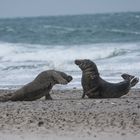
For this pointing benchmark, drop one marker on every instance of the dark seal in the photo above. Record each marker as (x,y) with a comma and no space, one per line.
(39,87)
(96,87)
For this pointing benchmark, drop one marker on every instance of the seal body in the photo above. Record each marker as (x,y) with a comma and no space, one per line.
(39,87)
(96,87)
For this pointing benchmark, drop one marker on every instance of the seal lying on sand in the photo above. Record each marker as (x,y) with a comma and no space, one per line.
(95,87)
(39,87)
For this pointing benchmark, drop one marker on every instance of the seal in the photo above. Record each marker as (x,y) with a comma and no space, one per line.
(39,87)
(96,87)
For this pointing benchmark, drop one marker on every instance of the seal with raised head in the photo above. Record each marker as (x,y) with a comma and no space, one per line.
(39,87)
(96,87)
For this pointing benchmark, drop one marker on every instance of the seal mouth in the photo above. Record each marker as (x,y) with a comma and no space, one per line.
(77,62)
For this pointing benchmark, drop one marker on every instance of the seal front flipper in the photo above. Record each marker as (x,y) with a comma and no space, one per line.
(83,95)
(48,97)
(47,93)
(93,93)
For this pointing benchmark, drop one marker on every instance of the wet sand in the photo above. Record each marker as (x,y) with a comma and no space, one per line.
(69,117)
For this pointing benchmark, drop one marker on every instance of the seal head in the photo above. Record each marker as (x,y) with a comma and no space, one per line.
(86,65)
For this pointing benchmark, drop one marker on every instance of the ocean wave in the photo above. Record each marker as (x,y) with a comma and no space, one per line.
(137,16)
(7,29)
(122,31)
(58,27)
(34,53)
(66,30)
(117,52)
(24,66)
(59,56)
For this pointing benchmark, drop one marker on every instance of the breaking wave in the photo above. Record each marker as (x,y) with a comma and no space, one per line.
(20,63)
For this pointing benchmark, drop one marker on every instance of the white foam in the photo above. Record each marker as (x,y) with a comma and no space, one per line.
(25,52)
(20,63)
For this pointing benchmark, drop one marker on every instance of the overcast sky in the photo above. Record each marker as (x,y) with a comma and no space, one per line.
(20,8)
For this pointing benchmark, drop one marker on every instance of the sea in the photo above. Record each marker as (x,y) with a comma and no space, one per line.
(30,45)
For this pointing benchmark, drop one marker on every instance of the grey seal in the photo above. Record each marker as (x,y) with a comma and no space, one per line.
(96,87)
(39,87)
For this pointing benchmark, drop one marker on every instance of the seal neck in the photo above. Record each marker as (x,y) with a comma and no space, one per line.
(89,72)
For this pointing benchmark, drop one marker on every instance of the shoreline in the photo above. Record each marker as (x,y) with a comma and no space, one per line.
(68,116)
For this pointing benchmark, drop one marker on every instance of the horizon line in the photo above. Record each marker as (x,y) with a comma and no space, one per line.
(62,15)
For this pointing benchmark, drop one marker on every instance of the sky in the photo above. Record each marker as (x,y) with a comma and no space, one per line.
(27,8)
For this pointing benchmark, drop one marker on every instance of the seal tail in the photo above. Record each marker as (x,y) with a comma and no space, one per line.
(126,76)
(132,79)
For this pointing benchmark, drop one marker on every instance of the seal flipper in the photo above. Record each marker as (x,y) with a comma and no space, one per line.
(48,97)
(134,81)
(126,76)
(47,93)
(83,95)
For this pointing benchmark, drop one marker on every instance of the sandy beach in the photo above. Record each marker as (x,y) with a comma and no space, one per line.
(69,117)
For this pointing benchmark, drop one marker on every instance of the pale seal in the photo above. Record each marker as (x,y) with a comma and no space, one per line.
(96,87)
(39,87)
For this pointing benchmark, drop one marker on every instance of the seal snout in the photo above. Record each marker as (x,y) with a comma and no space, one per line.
(77,62)
(69,78)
